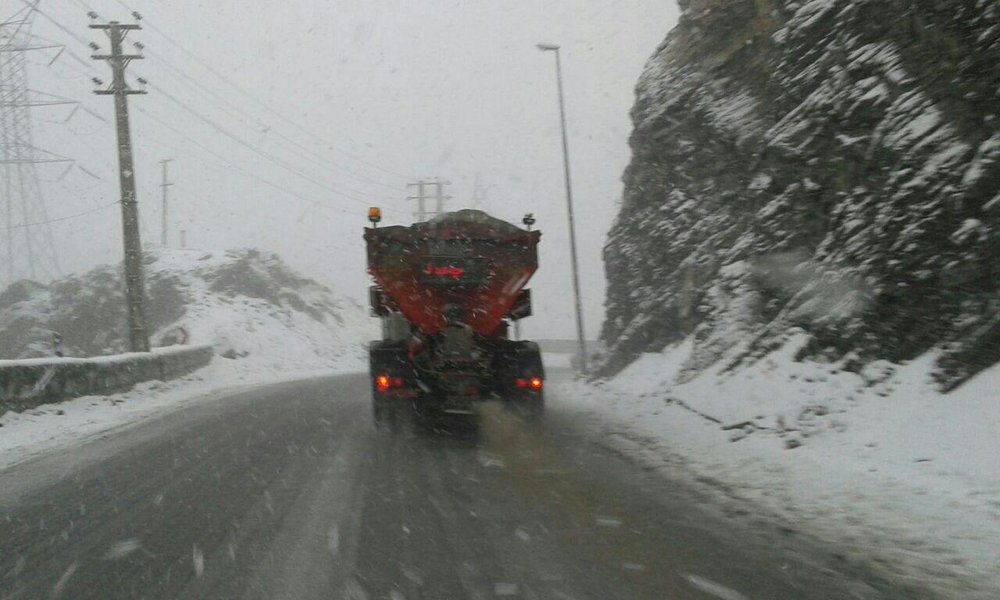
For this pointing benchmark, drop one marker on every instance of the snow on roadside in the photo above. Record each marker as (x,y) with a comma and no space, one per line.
(879,462)
(265,334)
(260,335)
(55,426)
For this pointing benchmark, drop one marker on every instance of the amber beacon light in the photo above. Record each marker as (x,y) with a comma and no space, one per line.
(374,215)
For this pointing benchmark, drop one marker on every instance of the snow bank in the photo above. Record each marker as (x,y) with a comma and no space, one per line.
(879,461)
(51,427)
(265,322)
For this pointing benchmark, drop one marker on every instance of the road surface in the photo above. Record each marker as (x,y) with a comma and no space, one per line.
(289,491)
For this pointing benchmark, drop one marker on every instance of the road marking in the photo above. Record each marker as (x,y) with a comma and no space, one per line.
(608,522)
(57,589)
(333,540)
(198,558)
(715,589)
(505,589)
(122,549)
(490,460)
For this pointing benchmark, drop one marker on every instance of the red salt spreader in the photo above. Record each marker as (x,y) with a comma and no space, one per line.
(447,291)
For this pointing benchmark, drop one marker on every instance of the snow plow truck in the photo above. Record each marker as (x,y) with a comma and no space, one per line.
(447,291)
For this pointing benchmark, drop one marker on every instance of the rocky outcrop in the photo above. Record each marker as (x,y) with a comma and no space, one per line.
(826,165)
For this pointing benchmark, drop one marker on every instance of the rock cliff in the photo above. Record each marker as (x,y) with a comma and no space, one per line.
(830,166)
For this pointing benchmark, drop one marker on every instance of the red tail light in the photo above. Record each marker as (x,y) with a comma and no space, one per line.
(522,383)
(382,382)
(536,383)
(398,382)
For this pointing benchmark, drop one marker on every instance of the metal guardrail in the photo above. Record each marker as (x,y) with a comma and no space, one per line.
(29,383)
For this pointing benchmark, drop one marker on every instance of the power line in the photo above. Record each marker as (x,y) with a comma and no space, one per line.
(222,161)
(16,17)
(323,161)
(236,167)
(60,219)
(62,27)
(311,203)
(257,150)
(349,193)
(259,102)
(214,154)
(219,157)
(307,153)
(85,6)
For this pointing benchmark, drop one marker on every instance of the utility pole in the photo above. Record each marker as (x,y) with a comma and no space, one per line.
(163,216)
(134,284)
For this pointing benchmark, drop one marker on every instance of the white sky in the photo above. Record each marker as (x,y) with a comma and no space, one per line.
(380,92)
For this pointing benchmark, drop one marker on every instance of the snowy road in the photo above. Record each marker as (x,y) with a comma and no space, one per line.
(287,491)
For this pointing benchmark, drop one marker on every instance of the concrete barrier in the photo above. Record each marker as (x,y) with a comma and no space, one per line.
(29,383)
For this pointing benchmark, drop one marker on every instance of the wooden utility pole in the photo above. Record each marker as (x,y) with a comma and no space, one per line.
(134,284)
(163,213)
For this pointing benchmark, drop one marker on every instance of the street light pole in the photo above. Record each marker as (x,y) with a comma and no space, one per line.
(569,207)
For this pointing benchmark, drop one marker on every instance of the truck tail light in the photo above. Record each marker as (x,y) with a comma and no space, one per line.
(382,382)
(534,383)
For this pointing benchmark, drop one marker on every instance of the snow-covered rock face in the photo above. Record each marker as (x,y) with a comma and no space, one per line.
(246,303)
(827,164)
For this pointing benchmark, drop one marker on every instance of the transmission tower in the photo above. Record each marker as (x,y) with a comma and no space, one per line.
(26,242)
(424,194)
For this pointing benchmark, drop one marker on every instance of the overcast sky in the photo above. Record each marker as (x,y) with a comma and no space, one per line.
(285,119)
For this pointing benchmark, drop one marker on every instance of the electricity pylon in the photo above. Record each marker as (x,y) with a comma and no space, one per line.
(27,246)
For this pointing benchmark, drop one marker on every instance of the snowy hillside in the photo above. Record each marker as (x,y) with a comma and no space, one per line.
(254,309)
(828,165)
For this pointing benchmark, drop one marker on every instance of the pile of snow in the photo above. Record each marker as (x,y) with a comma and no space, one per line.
(878,461)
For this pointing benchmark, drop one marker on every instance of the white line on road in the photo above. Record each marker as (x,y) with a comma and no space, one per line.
(715,589)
